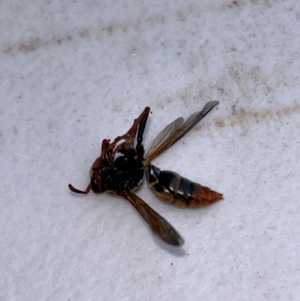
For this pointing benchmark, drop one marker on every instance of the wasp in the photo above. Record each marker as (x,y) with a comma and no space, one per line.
(121,168)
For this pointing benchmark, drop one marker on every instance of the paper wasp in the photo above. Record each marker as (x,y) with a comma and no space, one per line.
(123,163)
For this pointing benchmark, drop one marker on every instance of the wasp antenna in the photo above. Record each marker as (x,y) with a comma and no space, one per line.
(80,191)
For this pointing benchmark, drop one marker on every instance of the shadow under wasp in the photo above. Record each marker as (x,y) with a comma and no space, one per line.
(121,167)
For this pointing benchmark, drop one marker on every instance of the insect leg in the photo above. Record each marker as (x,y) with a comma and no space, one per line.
(132,131)
(139,147)
(141,129)
(129,137)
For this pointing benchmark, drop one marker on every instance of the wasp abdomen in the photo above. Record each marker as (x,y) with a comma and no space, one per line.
(180,191)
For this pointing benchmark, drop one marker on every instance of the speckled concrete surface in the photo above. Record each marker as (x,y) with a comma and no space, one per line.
(73,74)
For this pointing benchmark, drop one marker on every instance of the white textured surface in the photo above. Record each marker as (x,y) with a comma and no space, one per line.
(72,74)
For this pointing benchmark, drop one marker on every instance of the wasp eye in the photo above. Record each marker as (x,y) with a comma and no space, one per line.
(94,185)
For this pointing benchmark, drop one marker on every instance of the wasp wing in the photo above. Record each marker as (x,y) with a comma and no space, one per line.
(164,139)
(157,223)
(175,130)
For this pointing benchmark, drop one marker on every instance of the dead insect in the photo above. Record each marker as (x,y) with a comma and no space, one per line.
(121,167)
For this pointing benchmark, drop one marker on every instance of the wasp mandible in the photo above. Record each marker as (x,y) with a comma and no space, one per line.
(123,164)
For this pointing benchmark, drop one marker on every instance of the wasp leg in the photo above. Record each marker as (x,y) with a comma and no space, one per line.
(140,123)
(141,129)
(140,147)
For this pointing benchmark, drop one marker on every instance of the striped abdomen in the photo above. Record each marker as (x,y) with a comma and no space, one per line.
(179,191)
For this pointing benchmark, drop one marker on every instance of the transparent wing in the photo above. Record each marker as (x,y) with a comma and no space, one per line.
(164,139)
(157,223)
(175,130)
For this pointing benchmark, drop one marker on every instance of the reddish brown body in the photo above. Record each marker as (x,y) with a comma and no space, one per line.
(122,164)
